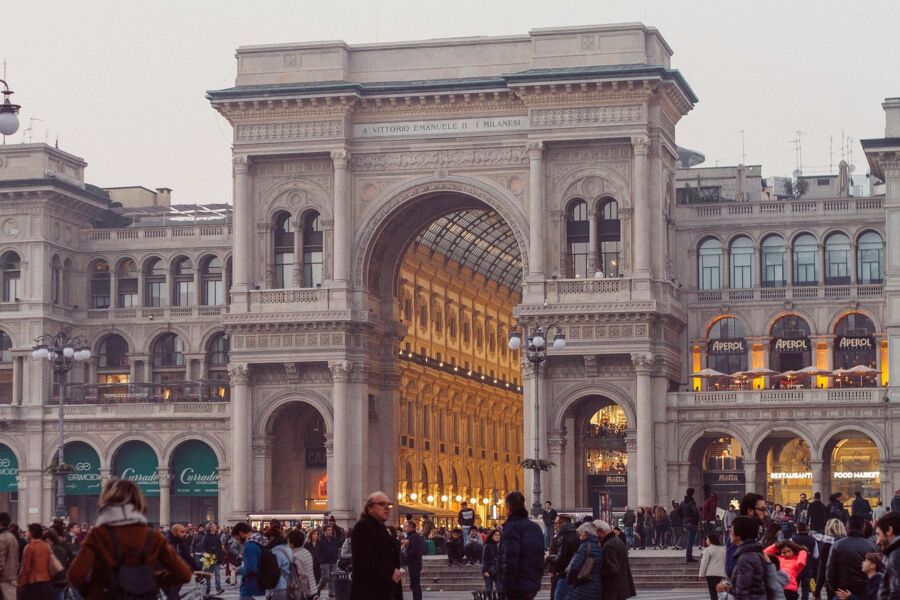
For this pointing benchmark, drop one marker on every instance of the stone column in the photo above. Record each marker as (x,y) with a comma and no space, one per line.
(243,240)
(556,448)
(750,477)
(361,474)
(574,465)
(339,469)
(262,470)
(342,238)
(536,210)
(140,287)
(114,287)
(631,448)
(297,274)
(641,202)
(593,259)
(644,406)
(789,264)
(820,264)
(165,497)
(241,435)
(816,466)
(18,371)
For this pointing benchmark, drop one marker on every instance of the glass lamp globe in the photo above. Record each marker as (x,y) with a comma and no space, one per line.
(515,342)
(430,498)
(559,342)
(68,352)
(9,123)
(538,341)
(414,496)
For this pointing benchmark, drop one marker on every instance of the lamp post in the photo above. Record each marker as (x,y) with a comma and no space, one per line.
(62,352)
(536,353)
(9,119)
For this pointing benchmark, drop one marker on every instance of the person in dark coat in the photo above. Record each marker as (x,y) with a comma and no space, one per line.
(489,557)
(618,584)
(521,564)
(861,507)
(888,531)
(455,547)
(844,570)
(414,550)
(562,549)
(591,588)
(817,514)
(690,518)
(376,560)
(748,578)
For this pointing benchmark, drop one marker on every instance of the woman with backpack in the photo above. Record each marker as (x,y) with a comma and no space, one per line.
(302,583)
(278,545)
(59,551)
(121,554)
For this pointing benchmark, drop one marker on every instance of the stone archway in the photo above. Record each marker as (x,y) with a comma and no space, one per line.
(292,459)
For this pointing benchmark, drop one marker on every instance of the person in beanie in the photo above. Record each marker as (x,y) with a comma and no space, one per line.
(376,560)
(521,564)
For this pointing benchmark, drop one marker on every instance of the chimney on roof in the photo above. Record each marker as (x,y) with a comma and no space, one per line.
(891,117)
(163,196)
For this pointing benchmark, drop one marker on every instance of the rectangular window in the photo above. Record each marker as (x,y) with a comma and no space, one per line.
(426,421)
(312,268)
(805,272)
(214,292)
(741,270)
(838,267)
(184,293)
(128,291)
(773,273)
(156,292)
(578,259)
(411,419)
(6,386)
(870,267)
(710,271)
(284,269)
(11,288)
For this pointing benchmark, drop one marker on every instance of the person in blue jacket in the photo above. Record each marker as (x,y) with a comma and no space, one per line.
(249,571)
(520,565)
(591,587)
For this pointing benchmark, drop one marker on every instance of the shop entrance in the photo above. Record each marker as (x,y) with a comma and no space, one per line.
(853,462)
(717,460)
(787,468)
(299,462)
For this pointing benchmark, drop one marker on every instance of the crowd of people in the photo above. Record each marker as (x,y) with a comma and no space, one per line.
(758,551)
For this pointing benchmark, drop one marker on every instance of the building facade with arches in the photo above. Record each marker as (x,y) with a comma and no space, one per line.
(399,210)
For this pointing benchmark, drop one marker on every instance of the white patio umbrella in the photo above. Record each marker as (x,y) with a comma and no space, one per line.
(862,371)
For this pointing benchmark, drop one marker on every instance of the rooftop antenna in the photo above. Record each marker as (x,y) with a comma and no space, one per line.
(30,130)
(798,149)
(831,153)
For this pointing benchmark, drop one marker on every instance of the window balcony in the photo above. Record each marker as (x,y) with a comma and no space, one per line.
(607,289)
(778,210)
(281,300)
(169,392)
(738,398)
(174,313)
(777,294)
(135,236)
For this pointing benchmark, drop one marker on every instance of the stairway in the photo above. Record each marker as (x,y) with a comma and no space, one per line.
(650,569)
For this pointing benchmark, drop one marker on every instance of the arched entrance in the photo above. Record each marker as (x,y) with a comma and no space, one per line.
(851,463)
(194,470)
(137,462)
(717,460)
(444,269)
(299,480)
(600,430)
(785,460)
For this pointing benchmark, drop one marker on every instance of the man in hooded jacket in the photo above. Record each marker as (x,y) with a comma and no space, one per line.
(562,549)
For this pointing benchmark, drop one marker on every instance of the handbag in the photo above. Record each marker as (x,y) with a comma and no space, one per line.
(55,567)
(584,573)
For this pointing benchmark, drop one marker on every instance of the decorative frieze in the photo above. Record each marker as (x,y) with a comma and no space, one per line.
(287,340)
(340,370)
(586,116)
(474,157)
(288,132)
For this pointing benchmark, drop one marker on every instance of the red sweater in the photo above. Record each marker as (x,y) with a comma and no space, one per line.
(35,563)
(792,566)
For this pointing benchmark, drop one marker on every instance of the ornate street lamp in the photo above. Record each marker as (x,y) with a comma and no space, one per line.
(62,352)
(536,353)
(9,119)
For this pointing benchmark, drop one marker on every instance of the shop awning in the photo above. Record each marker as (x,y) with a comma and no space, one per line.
(9,470)
(414,508)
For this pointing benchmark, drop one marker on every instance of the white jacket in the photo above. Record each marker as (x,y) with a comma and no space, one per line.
(304,562)
(712,562)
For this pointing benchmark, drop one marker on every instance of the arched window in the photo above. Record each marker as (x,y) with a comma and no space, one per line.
(68,268)
(806,260)
(12,275)
(855,344)
(127,285)
(167,359)
(212,281)
(99,284)
(113,373)
(773,256)
(837,259)
(112,353)
(742,263)
(437,316)
(154,282)
(577,239)
(313,256)
(609,236)
(217,365)
(284,250)
(710,264)
(791,348)
(55,279)
(183,275)
(726,349)
(6,370)
(870,258)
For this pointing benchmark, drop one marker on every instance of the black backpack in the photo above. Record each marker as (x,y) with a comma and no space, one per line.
(269,572)
(131,578)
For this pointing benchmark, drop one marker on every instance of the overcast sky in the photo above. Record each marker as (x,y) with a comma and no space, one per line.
(121,83)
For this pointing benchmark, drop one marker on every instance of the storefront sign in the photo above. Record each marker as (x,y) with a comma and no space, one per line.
(85,478)
(855,343)
(9,470)
(613,479)
(315,458)
(196,470)
(136,462)
(440,126)
(717,347)
(776,476)
(723,478)
(856,475)
(782,345)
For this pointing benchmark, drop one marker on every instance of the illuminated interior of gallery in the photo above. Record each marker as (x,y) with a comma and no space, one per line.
(460,414)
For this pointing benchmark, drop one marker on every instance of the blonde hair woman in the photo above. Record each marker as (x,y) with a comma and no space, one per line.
(121,530)
(834,530)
